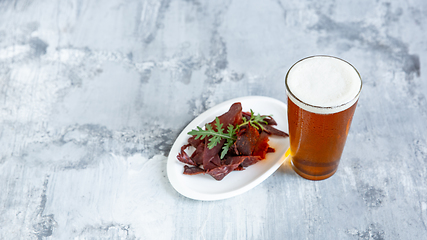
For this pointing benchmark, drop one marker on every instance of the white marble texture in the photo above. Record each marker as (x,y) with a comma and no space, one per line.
(93,94)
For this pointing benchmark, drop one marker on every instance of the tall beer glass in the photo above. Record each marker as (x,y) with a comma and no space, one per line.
(322,96)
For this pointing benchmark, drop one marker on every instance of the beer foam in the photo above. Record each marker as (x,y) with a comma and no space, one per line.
(323,84)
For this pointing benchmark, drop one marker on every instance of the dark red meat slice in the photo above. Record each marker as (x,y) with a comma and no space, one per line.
(239,168)
(197,155)
(271,130)
(210,156)
(194,142)
(261,146)
(220,172)
(270,121)
(271,150)
(183,156)
(233,116)
(229,165)
(247,139)
(193,170)
(250,160)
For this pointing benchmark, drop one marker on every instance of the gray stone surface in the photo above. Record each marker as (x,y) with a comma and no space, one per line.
(94,93)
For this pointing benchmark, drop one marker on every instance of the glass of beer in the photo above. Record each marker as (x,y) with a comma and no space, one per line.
(322,96)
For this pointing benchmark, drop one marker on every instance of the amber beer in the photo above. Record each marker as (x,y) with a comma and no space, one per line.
(322,96)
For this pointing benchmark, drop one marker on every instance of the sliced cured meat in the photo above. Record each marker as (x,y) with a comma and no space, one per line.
(250,160)
(193,170)
(194,142)
(210,156)
(233,116)
(183,156)
(271,150)
(228,166)
(246,140)
(274,131)
(246,144)
(197,155)
(261,145)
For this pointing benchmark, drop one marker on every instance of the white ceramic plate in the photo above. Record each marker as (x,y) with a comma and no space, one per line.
(204,186)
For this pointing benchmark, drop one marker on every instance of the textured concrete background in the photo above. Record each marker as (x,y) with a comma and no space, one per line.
(94,93)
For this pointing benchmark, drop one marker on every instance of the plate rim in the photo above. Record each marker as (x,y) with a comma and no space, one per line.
(189,193)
